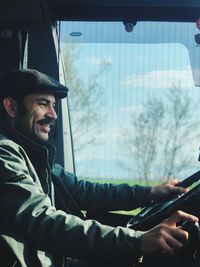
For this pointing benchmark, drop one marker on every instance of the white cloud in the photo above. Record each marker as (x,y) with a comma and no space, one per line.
(161,79)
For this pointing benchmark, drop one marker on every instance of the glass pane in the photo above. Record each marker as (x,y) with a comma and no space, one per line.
(134,99)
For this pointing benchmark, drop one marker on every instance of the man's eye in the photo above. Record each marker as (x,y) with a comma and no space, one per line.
(43,103)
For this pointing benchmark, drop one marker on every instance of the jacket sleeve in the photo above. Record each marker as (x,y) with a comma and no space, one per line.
(26,213)
(103,197)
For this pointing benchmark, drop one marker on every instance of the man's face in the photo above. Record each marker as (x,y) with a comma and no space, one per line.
(37,117)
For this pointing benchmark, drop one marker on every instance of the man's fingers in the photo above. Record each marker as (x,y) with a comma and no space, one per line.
(167,236)
(178,189)
(180,234)
(173,239)
(173,187)
(181,215)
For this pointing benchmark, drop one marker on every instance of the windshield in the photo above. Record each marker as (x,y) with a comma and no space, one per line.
(133,98)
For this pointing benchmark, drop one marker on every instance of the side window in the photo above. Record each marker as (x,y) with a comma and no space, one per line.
(133,99)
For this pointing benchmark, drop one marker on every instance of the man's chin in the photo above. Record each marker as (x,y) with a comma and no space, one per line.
(41,138)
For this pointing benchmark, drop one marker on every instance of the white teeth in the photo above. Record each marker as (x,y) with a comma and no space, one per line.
(44,124)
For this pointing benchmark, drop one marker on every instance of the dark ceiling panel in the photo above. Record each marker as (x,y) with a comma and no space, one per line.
(117,13)
(102,10)
(20,10)
(130,3)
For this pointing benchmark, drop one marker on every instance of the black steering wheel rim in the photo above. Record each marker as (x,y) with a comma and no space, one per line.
(157,212)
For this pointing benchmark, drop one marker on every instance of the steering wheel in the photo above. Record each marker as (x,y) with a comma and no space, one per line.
(157,212)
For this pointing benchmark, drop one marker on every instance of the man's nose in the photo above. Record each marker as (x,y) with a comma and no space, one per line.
(52,113)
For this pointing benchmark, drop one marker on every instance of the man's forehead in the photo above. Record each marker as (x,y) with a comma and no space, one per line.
(41,96)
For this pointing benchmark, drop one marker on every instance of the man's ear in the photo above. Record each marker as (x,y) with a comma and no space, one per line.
(10,106)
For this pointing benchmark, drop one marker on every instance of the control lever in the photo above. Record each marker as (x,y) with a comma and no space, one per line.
(191,252)
(193,230)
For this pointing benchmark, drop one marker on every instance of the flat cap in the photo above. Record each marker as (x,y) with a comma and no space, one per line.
(23,82)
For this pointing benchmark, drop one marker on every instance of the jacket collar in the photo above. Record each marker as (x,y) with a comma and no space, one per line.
(37,151)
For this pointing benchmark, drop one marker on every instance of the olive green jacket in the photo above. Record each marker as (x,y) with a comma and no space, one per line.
(40,210)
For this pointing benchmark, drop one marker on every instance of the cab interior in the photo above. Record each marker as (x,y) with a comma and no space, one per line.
(39,34)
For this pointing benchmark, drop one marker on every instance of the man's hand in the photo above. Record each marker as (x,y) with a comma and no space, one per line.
(166,237)
(163,190)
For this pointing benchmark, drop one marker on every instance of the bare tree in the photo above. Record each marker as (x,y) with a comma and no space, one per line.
(141,143)
(158,142)
(85,97)
(181,126)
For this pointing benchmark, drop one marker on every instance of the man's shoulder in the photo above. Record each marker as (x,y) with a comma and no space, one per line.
(5,140)
(4,137)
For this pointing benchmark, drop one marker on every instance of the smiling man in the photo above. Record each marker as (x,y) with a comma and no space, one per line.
(37,116)
(41,222)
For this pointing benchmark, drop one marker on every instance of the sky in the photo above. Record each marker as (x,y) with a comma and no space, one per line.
(138,71)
